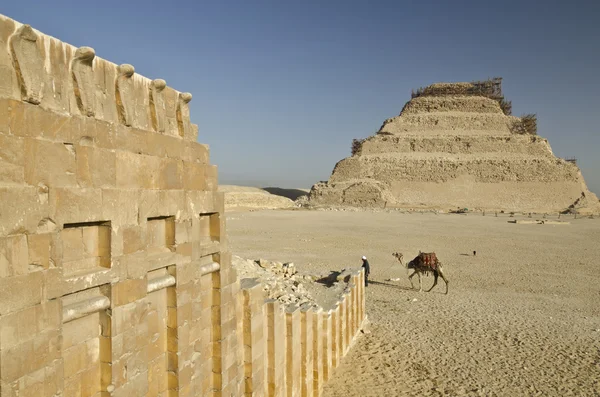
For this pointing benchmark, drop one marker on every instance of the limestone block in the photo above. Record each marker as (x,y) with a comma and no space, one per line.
(14,257)
(196,152)
(211,175)
(95,167)
(343,324)
(97,133)
(276,370)
(29,356)
(165,146)
(183,116)
(327,343)
(28,120)
(293,353)
(19,292)
(194,176)
(121,207)
(351,307)
(51,164)
(355,302)
(148,204)
(347,326)
(8,77)
(72,242)
(128,291)
(71,205)
(132,140)
(318,382)
(335,339)
(28,57)
(83,80)
(21,326)
(40,247)
(157,105)
(183,231)
(137,171)
(135,265)
(23,209)
(171,174)
(12,160)
(172,202)
(363,296)
(199,202)
(306,377)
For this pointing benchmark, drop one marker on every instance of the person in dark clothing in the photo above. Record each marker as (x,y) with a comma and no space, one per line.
(367,270)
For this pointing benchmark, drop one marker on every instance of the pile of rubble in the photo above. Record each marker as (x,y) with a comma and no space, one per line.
(280,281)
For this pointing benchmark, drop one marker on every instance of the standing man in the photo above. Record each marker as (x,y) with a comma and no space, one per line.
(367,270)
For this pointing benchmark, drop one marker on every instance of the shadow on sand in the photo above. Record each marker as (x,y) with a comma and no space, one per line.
(292,194)
(390,285)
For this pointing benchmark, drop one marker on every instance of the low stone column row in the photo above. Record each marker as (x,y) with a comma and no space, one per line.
(292,352)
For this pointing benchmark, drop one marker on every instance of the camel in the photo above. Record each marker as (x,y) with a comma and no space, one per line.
(424,263)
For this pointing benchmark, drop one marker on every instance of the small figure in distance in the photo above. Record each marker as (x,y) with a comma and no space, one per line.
(365,264)
(474,253)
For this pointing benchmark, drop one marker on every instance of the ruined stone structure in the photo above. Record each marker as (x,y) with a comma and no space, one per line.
(115,275)
(454,147)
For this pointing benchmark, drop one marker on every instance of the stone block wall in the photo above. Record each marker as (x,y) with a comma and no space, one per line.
(294,352)
(115,276)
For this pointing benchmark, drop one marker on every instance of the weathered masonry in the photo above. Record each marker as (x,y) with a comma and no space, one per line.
(115,275)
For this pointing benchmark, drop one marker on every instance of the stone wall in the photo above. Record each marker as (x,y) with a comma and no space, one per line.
(293,352)
(115,274)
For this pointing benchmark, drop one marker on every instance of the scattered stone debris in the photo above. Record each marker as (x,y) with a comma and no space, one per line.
(283,282)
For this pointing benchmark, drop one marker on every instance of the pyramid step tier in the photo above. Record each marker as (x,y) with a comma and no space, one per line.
(524,144)
(465,104)
(461,192)
(429,167)
(455,123)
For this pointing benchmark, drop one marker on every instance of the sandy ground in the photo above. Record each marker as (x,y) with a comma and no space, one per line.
(522,318)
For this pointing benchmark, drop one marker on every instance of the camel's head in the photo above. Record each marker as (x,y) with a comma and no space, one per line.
(399,256)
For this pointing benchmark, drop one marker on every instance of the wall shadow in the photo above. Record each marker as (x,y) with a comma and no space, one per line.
(292,194)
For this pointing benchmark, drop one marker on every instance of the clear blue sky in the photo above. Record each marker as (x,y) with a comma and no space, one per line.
(282,87)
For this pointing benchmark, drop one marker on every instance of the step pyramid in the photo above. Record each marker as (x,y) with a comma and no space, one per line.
(457,145)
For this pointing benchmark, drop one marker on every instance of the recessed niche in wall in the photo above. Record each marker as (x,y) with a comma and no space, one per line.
(209,227)
(161,233)
(86,247)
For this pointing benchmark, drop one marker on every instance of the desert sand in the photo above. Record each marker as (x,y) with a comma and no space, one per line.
(522,317)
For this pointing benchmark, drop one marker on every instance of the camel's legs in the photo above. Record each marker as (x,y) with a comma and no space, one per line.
(435,280)
(420,284)
(445,280)
(410,279)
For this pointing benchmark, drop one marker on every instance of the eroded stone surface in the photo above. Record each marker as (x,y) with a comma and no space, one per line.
(28,59)
(83,80)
